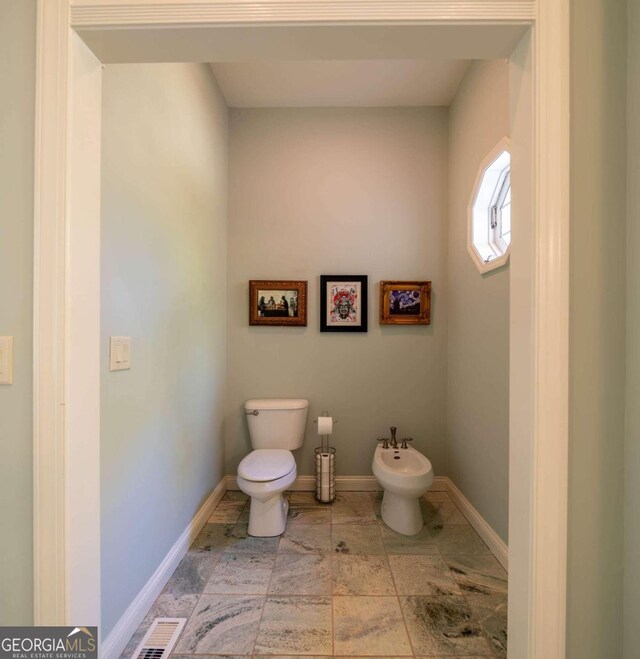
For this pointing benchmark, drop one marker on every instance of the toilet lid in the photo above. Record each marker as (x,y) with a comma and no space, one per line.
(266,465)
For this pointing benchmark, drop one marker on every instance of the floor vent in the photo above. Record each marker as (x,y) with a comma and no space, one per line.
(160,639)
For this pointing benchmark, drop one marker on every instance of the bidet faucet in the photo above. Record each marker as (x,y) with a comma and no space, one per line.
(404,442)
(394,441)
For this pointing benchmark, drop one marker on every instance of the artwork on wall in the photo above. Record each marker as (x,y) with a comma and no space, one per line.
(343,303)
(280,303)
(405,302)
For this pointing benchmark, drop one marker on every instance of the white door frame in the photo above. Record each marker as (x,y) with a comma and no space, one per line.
(67,291)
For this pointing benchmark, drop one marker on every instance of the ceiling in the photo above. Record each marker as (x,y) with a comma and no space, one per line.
(340,83)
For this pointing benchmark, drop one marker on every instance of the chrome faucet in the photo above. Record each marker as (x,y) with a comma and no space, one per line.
(404,442)
(393,441)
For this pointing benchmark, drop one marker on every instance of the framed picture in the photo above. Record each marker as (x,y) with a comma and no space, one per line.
(405,302)
(343,303)
(277,302)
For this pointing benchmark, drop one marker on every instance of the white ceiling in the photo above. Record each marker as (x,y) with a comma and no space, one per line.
(344,83)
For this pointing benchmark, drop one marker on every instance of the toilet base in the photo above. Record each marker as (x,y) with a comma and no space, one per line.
(268,518)
(402,514)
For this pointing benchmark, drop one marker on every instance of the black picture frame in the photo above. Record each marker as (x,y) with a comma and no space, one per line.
(331,322)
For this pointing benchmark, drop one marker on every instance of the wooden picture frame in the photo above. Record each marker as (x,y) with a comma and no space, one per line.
(278,303)
(343,303)
(405,302)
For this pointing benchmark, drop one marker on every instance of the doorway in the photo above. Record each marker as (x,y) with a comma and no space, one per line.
(68,236)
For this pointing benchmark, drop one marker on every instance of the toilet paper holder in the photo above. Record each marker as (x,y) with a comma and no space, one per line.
(325,459)
(324,414)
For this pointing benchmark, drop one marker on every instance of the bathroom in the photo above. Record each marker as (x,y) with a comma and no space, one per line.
(213,176)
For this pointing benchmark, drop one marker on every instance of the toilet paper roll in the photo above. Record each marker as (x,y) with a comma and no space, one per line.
(325,425)
(325,462)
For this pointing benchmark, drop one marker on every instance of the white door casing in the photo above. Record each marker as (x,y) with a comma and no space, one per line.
(67,283)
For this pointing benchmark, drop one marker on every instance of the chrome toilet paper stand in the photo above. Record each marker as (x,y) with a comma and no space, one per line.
(325,468)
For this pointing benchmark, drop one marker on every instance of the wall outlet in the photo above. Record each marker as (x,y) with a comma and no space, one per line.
(119,353)
(6,360)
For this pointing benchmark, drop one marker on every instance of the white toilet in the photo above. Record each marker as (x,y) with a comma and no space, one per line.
(276,427)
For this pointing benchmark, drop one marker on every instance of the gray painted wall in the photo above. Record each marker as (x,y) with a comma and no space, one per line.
(164,264)
(330,191)
(597,329)
(632,456)
(17,120)
(478,306)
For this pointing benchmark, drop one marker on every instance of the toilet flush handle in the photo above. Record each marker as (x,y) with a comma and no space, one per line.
(252,412)
(404,442)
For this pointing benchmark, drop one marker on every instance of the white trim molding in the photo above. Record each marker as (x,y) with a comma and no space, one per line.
(116,641)
(495,543)
(117,13)
(66,412)
(49,300)
(551,317)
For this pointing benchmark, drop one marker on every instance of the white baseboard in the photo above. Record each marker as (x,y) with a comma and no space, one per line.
(495,543)
(113,646)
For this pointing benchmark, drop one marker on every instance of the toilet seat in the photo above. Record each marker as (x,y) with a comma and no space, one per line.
(263,465)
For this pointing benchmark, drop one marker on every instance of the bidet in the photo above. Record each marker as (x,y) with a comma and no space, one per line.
(405,475)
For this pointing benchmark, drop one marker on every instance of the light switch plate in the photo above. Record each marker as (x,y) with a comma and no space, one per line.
(119,353)
(6,360)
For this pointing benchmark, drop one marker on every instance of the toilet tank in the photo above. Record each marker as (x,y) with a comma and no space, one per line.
(277,422)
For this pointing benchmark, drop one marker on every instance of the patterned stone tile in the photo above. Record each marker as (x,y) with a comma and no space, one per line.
(478,574)
(241,574)
(244,514)
(396,543)
(241,542)
(483,581)
(302,538)
(301,574)
(303,513)
(192,573)
(202,656)
(356,539)
(223,624)
(235,495)
(307,498)
(166,606)
(353,508)
(439,513)
(436,496)
(495,627)
(295,625)
(353,498)
(212,538)
(443,625)
(454,539)
(226,512)
(361,575)
(346,559)
(377,505)
(369,626)
(422,575)
(292,656)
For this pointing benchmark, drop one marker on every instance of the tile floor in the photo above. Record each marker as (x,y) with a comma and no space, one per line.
(338,582)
